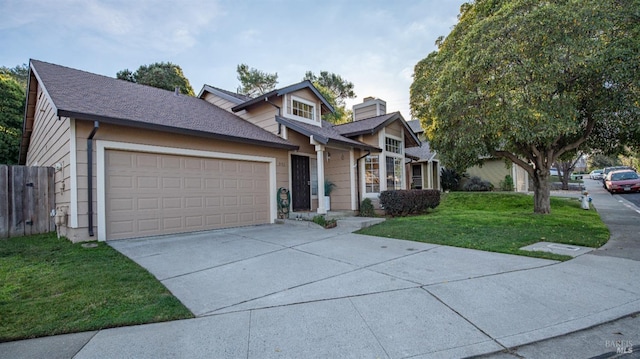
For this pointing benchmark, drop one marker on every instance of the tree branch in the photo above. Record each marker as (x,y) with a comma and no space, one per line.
(515,159)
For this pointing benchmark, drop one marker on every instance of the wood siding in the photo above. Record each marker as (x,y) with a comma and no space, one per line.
(26,200)
(338,171)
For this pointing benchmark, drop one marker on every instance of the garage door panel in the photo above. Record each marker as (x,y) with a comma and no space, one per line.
(153,194)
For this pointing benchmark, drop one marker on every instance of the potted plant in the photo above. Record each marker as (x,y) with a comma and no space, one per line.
(328,188)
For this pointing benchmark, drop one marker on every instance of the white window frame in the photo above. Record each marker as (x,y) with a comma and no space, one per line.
(399,156)
(364,176)
(314,107)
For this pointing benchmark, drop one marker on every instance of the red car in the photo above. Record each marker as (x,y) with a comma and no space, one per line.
(622,181)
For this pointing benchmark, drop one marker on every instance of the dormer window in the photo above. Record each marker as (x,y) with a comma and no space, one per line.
(303,110)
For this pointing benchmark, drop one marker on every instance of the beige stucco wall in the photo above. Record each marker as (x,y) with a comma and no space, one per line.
(50,145)
(492,170)
(155,138)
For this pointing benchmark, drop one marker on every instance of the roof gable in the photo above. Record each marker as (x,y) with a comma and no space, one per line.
(79,94)
(373,125)
(306,84)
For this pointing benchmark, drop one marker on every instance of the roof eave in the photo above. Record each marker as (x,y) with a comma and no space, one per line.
(183,131)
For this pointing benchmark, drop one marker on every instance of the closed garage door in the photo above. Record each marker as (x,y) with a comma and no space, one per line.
(152,194)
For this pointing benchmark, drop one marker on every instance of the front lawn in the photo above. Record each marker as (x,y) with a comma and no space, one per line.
(498,222)
(51,286)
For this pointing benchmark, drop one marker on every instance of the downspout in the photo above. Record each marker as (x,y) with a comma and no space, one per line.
(96,125)
(358,176)
(279,114)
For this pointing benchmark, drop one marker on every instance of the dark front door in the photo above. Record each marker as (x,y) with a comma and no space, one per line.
(301,185)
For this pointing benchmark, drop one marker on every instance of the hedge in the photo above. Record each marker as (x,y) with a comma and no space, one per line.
(405,202)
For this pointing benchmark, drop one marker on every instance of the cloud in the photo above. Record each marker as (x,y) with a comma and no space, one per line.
(170,27)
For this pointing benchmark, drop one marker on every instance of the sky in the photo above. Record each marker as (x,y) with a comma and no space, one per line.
(374,44)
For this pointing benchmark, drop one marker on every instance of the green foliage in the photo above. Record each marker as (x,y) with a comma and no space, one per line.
(326,223)
(531,80)
(507,184)
(498,222)
(599,161)
(328,187)
(449,179)
(366,208)
(255,82)
(19,73)
(405,202)
(335,90)
(477,184)
(163,75)
(51,286)
(12,98)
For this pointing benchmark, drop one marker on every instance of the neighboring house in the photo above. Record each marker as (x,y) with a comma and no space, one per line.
(136,161)
(495,170)
(424,168)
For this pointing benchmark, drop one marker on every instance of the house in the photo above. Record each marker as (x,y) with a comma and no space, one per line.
(136,161)
(424,168)
(495,170)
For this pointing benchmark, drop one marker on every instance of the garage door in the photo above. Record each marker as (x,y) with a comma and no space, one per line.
(152,194)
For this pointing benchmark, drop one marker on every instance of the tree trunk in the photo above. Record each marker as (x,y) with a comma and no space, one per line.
(541,193)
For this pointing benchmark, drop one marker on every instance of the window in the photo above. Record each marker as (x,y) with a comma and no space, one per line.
(394,173)
(393,145)
(313,171)
(302,109)
(372,174)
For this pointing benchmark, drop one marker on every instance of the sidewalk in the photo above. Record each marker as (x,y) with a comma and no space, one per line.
(379,298)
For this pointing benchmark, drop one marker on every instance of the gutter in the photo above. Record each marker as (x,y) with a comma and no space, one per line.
(96,125)
(279,113)
(358,176)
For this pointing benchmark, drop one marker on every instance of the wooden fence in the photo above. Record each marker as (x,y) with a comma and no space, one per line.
(27,199)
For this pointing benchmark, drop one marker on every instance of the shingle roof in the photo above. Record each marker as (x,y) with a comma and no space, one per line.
(325,134)
(232,96)
(85,95)
(374,124)
(285,90)
(415,126)
(423,153)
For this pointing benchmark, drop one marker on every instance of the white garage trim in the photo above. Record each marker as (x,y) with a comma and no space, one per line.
(102,146)
(73,177)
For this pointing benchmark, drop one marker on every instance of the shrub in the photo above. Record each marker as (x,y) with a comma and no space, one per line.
(507,184)
(404,202)
(366,208)
(326,223)
(449,179)
(477,184)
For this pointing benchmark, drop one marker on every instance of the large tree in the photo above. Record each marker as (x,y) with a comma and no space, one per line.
(19,73)
(12,97)
(532,81)
(254,82)
(163,75)
(335,90)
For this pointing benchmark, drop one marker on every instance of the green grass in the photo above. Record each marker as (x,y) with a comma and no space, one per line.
(51,286)
(498,222)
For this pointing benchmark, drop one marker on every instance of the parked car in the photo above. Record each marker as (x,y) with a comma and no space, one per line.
(622,181)
(596,174)
(606,170)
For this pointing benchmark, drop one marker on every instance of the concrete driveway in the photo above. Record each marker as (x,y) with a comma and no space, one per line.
(295,291)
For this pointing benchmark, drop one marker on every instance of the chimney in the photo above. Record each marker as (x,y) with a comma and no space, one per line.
(370,107)
(177,90)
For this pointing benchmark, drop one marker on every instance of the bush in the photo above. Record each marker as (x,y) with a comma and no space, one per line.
(477,184)
(404,202)
(326,223)
(449,179)
(366,208)
(507,184)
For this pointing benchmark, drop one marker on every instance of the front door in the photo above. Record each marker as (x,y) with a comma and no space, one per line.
(301,183)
